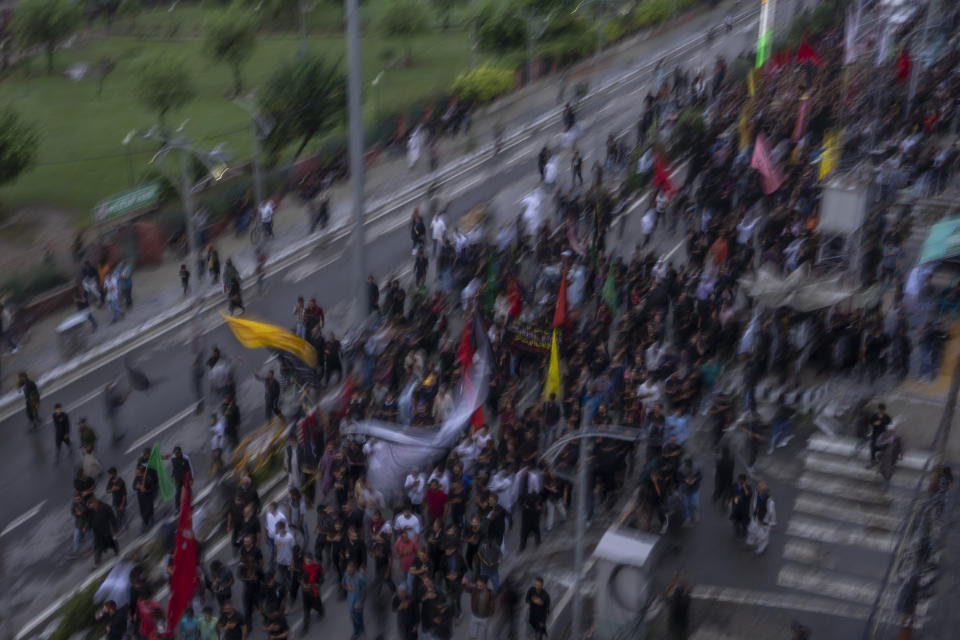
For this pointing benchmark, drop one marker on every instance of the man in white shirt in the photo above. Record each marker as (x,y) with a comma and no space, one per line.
(415,485)
(283,552)
(266,217)
(274,517)
(407,520)
(438,226)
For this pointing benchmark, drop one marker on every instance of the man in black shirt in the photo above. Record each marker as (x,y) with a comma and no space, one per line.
(408,614)
(61,429)
(146,489)
(179,468)
(231,625)
(271,395)
(31,397)
(117,489)
(531,504)
(220,582)
(116,621)
(496,519)
(273,598)
(103,523)
(251,574)
(231,414)
(878,425)
(539,601)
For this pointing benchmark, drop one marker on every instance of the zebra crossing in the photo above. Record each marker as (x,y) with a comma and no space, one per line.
(844,523)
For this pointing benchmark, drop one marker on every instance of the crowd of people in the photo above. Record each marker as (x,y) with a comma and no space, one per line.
(647,344)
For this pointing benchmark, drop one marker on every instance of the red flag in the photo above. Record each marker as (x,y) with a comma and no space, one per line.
(560,314)
(801,120)
(904,65)
(661,176)
(805,52)
(185,579)
(764,164)
(343,401)
(465,357)
(466,349)
(514,296)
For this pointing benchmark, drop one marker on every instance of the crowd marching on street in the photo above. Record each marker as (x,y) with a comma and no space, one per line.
(645,342)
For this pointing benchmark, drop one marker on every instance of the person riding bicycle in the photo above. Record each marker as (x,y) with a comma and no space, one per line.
(267,208)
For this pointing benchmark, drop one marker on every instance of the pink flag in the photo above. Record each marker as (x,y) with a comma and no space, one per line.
(801,120)
(762,162)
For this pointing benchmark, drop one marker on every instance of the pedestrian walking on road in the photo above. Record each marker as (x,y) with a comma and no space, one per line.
(542,158)
(61,429)
(5,332)
(82,301)
(146,489)
(113,399)
(180,470)
(539,602)
(355,584)
(310,582)
(678,593)
(576,168)
(418,230)
(890,447)
(112,286)
(103,523)
(31,397)
(740,504)
(483,604)
(117,489)
(235,295)
(184,278)
(879,422)
(271,395)
(690,477)
(764,517)
(420,265)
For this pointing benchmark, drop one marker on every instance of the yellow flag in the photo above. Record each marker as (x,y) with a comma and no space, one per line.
(255,335)
(743,128)
(552,383)
(831,153)
(751,87)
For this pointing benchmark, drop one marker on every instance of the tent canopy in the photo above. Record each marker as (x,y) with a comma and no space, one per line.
(802,291)
(942,242)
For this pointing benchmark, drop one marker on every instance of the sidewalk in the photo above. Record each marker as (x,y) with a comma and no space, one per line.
(156,290)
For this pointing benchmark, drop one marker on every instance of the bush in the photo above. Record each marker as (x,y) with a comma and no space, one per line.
(483,83)
(651,12)
(77,615)
(40,279)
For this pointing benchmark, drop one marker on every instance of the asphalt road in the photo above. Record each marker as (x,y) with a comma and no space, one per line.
(36,493)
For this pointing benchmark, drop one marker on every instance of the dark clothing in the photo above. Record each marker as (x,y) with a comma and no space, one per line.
(271,398)
(538,610)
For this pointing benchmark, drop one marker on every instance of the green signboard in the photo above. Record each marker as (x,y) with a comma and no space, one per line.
(114,206)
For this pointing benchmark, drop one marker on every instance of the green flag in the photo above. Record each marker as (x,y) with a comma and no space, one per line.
(163,478)
(610,292)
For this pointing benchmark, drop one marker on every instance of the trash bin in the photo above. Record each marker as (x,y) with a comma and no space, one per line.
(72,335)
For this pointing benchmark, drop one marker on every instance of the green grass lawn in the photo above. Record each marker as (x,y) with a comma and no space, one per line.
(81,159)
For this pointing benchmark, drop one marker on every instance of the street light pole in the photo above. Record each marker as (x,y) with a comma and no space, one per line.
(355,123)
(583,475)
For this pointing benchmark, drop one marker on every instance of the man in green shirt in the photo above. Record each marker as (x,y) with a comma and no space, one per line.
(207,625)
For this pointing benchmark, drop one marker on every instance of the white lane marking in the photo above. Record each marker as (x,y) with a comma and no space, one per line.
(156,431)
(846,511)
(306,273)
(16,522)
(846,587)
(803,527)
(466,186)
(855,448)
(851,489)
(806,552)
(855,471)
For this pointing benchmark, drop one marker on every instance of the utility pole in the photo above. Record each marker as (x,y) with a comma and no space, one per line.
(536,27)
(303,30)
(355,118)
(922,40)
(583,476)
(260,127)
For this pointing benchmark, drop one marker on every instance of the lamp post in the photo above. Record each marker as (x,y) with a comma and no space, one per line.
(215,162)
(355,126)
(126,145)
(260,127)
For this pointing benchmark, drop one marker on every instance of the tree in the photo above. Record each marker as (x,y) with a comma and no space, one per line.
(499,28)
(303,98)
(18,145)
(230,39)
(405,19)
(443,8)
(46,23)
(164,85)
